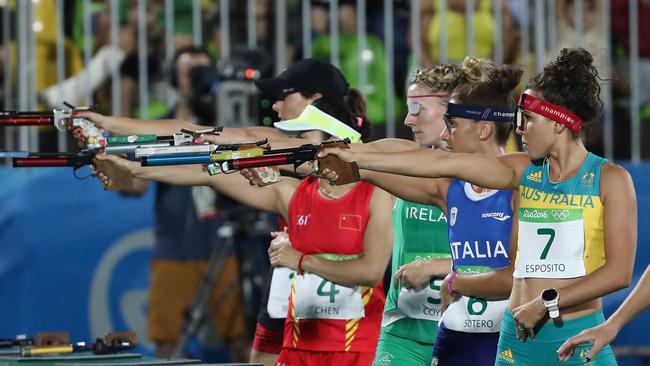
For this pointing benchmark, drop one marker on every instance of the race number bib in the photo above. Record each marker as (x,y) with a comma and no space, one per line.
(551,243)
(423,304)
(474,315)
(278,303)
(318,298)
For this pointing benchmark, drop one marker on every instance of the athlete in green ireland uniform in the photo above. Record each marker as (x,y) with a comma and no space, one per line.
(410,322)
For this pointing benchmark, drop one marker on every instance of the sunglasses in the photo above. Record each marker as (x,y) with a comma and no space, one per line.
(414,106)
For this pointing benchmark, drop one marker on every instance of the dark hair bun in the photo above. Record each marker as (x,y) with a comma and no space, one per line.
(571,81)
(505,78)
(574,58)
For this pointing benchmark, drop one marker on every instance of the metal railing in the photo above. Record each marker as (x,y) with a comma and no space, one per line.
(536,24)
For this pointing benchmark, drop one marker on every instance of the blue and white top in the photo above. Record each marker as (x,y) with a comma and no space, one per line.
(479,238)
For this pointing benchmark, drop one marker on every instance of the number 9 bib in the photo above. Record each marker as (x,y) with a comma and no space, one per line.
(318,298)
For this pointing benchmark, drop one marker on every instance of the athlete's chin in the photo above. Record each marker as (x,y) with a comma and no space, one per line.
(534,154)
(422,140)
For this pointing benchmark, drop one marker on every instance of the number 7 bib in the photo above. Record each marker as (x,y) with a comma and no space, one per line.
(551,243)
(318,298)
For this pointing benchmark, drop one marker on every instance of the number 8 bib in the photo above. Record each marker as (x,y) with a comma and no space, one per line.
(551,243)
(318,298)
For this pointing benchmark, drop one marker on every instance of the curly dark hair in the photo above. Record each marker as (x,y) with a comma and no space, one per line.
(494,92)
(571,81)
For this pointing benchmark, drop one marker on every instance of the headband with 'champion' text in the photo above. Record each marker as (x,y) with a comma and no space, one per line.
(551,111)
(494,114)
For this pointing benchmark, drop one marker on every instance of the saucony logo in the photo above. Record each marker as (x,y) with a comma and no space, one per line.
(496,215)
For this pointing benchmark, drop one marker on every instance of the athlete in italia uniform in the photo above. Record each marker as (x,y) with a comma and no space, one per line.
(479,237)
(577,218)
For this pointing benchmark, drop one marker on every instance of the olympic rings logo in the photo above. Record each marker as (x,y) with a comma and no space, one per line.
(560,215)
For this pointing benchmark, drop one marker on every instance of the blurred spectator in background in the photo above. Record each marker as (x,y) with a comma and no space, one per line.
(186,223)
(591,34)
(456,29)
(375,89)
(592,38)
(620,20)
(129,71)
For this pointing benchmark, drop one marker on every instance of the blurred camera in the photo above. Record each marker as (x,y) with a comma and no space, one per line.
(225,94)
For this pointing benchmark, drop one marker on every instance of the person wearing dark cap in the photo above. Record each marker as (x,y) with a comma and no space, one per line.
(297,87)
(294,90)
(308,75)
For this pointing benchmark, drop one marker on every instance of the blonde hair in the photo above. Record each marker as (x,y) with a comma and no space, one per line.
(446,78)
(477,69)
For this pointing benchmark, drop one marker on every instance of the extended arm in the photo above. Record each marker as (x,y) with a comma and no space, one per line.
(500,172)
(131,126)
(429,191)
(385,145)
(272,198)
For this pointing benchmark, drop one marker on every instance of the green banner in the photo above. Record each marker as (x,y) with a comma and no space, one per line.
(423,256)
(549,214)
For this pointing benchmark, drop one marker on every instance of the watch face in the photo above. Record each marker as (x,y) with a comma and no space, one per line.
(549,294)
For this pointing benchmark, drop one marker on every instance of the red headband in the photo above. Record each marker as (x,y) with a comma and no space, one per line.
(551,111)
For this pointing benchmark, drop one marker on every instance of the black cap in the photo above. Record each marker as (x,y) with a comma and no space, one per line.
(308,75)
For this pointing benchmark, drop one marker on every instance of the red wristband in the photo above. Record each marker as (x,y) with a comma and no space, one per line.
(300,270)
(450,290)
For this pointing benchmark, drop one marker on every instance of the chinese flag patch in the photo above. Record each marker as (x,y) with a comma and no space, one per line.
(350,222)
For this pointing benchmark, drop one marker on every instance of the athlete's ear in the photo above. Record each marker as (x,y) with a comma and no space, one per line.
(316,96)
(559,128)
(485,130)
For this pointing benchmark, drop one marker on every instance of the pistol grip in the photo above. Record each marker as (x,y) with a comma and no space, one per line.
(119,180)
(347,172)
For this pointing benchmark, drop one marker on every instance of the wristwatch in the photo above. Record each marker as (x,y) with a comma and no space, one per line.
(550,298)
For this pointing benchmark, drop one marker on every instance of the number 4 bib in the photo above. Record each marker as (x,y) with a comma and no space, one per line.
(318,298)
(551,243)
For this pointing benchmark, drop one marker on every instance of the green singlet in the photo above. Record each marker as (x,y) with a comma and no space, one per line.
(420,233)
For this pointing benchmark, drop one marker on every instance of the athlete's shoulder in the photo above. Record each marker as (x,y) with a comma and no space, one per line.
(614,171)
(616,180)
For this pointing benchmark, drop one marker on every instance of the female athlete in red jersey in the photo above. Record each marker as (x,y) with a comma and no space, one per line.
(341,240)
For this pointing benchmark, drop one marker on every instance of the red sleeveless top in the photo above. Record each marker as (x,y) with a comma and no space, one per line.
(324,226)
